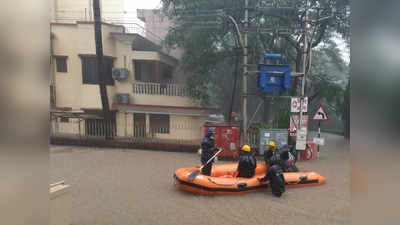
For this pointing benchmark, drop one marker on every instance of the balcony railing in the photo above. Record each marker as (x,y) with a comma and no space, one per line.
(147,88)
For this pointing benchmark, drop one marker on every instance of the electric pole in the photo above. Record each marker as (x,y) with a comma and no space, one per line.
(100,69)
(245,65)
(303,83)
(304,80)
(243,40)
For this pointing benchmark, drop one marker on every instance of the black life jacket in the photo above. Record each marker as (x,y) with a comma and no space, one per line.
(247,165)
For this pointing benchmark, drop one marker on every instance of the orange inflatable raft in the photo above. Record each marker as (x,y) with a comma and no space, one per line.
(221,181)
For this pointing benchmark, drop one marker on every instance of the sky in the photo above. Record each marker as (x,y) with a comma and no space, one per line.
(139,4)
(343,48)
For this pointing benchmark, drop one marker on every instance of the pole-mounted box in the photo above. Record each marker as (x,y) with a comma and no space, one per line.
(274,75)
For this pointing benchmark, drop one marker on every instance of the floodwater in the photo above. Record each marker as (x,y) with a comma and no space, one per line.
(124,187)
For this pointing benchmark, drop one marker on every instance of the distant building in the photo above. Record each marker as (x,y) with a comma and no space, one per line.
(82,10)
(150,101)
(158,24)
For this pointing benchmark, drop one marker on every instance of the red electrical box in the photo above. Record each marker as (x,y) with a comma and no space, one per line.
(310,152)
(227,137)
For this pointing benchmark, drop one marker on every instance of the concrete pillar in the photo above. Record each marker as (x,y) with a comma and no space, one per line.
(129,122)
(147,124)
(121,124)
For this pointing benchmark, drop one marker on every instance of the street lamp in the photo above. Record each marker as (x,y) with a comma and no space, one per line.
(237,31)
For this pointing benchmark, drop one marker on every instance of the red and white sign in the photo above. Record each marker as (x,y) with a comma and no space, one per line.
(295,105)
(301,139)
(320,114)
(294,123)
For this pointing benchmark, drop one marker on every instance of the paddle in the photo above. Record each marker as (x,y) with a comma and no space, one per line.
(195,173)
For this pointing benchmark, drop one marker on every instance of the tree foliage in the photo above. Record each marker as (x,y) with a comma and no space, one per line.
(203,30)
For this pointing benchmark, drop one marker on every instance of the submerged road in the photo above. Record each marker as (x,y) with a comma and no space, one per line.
(125,187)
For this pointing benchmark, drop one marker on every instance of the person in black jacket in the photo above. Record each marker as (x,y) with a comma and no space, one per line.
(208,150)
(281,161)
(247,163)
(269,152)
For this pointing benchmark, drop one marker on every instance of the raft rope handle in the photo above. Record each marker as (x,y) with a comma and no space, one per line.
(301,179)
(223,184)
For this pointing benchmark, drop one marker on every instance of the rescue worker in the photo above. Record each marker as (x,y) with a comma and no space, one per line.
(269,152)
(274,175)
(208,150)
(281,161)
(247,163)
(290,160)
(276,179)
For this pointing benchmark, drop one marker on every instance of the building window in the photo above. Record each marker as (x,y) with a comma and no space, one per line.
(138,71)
(159,123)
(166,73)
(89,70)
(145,70)
(61,64)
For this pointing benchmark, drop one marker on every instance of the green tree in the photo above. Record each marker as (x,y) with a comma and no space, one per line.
(209,39)
(329,85)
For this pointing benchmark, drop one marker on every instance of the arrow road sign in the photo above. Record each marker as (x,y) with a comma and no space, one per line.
(320,114)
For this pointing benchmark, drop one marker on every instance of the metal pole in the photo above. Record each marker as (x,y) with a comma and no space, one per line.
(244,85)
(319,136)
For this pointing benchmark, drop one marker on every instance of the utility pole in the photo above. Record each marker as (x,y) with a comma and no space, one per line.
(304,80)
(100,69)
(303,83)
(243,40)
(245,65)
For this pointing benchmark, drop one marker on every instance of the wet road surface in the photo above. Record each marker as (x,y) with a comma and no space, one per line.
(124,187)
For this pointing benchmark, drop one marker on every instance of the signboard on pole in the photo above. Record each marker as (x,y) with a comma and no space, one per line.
(294,121)
(319,141)
(301,139)
(295,105)
(320,114)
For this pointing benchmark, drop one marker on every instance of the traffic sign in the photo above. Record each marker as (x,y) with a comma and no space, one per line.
(320,114)
(295,104)
(294,122)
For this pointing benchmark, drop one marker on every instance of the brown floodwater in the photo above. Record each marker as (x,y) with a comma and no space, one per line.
(121,187)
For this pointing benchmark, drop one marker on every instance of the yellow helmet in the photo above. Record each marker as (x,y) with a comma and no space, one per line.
(246,148)
(271,143)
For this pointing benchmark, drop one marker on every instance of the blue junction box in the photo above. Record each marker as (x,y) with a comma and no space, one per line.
(273,78)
